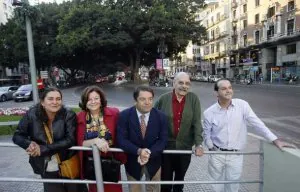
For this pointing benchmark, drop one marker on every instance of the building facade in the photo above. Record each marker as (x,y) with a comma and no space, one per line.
(251,39)
(6,11)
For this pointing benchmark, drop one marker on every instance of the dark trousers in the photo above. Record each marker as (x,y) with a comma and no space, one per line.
(174,167)
(61,187)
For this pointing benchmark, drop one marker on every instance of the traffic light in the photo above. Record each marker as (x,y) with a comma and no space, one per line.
(17,3)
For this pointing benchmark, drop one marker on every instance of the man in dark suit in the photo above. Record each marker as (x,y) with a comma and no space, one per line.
(142,133)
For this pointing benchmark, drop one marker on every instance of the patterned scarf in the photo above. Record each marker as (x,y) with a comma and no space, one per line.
(95,127)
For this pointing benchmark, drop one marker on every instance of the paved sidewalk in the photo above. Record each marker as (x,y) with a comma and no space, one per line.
(14,163)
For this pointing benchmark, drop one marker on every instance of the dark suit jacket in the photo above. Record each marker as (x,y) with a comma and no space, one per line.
(129,138)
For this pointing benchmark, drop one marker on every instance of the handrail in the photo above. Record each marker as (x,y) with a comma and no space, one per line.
(99,178)
(79,148)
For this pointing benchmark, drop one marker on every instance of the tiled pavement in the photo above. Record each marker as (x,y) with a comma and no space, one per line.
(14,163)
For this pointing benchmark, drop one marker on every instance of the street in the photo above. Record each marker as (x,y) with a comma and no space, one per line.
(277,106)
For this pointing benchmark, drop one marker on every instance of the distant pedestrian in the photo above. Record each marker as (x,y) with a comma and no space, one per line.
(261,78)
(225,129)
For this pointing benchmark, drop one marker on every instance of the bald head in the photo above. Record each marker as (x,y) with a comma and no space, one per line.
(181,84)
(181,75)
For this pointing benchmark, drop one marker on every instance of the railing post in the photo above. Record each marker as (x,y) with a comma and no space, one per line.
(261,165)
(98,169)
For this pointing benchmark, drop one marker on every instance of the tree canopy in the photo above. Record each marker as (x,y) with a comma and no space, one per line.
(92,35)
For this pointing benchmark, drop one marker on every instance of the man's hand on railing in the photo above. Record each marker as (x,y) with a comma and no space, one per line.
(199,151)
(281,144)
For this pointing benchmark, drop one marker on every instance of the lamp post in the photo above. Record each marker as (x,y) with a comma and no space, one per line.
(30,50)
(161,50)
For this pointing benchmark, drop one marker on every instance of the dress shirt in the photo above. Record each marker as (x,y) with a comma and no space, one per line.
(227,128)
(177,112)
(139,114)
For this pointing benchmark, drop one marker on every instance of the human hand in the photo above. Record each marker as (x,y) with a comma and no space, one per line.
(141,162)
(145,154)
(281,144)
(33,149)
(199,151)
(102,145)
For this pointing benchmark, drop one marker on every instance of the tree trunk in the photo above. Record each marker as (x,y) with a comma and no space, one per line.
(131,62)
(138,52)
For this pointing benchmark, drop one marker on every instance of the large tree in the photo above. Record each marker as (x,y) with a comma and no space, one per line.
(134,28)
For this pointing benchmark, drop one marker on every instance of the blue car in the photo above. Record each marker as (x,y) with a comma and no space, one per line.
(24,93)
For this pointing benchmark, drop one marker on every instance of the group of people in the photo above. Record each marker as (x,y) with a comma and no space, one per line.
(143,132)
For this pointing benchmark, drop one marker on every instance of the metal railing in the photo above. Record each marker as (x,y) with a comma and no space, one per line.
(99,178)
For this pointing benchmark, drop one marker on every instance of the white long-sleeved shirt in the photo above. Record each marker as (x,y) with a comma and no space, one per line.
(227,128)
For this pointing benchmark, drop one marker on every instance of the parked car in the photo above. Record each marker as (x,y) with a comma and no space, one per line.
(6,93)
(204,78)
(23,93)
(214,78)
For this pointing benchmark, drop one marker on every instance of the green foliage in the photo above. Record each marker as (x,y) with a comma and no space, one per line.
(97,34)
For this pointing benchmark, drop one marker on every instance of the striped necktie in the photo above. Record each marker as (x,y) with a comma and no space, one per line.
(143,125)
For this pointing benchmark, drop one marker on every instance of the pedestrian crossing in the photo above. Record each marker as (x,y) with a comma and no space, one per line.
(287,127)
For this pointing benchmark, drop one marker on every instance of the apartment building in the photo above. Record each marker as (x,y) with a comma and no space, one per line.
(250,37)
(265,38)
(6,11)
(216,18)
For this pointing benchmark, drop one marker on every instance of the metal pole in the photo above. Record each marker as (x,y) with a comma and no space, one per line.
(261,165)
(98,169)
(271,75)
(31,60)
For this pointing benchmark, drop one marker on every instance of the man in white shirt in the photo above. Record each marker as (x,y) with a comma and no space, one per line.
(225,129)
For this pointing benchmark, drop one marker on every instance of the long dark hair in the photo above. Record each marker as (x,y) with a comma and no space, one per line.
(85,98)
(41,111)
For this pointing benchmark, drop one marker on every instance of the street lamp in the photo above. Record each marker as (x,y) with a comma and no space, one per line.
(30,49)
(162,49)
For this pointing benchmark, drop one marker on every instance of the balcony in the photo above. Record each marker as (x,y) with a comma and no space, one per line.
(234,20)
(243,2)
(234,4)
(243,16)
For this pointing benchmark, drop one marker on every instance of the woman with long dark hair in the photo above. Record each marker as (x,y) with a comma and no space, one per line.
(31,135)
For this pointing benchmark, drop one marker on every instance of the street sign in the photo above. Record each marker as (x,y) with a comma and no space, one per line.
(44,74)
(159,64)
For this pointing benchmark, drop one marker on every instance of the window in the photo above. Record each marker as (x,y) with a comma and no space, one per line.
(234,40)
(218,47)
(291,49)
(245,23)
(212,48)
(256,18)
(271,12)
(291,6)
(270,32)
(256,37)
(212,19)
(218,17)
(224,61)
(290,27)
(256,3)
(206,51)
(217,31)
(245,40)
(244,8)
(234,14)
(212,34)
